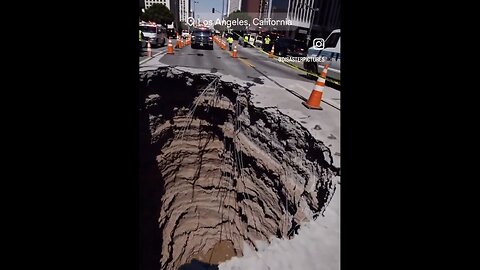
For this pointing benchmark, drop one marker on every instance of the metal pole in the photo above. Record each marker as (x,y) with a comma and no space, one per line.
(223,7)
(194,2)
(310,28)
(313,10)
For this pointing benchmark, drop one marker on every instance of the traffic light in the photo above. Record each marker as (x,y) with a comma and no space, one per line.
(213,10)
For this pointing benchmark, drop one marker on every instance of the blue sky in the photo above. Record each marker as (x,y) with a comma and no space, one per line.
(204,9)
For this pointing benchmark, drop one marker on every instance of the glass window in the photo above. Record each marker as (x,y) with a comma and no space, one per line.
(332,40)
(148,29)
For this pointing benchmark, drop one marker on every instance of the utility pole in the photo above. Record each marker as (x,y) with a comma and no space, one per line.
(305,6)
(194,2)
(223,8)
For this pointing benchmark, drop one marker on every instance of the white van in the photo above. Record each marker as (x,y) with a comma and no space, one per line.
(154,32)
(331,52)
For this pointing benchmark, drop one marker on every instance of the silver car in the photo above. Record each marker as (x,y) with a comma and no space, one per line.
(330,52)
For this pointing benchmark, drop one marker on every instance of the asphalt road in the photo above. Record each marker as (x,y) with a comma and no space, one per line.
(274,84)
(249,66)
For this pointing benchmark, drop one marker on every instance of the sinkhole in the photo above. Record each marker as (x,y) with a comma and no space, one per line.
(217,172)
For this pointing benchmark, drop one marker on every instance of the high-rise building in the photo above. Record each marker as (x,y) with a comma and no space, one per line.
(303,17)
(183,9)
(300,12)
(252,7)
(276,9)
(233,5)
(148,3)
(174,8)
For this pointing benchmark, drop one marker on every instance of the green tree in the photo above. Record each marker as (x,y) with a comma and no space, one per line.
(219,27)
(182,26)
(158,13)
(241,16)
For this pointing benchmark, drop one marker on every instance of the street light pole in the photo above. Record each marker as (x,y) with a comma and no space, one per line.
(223,8)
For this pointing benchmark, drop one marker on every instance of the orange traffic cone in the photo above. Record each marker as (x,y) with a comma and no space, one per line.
(234,54)
(317,92)
(272,51)
(149,49)
(170,47)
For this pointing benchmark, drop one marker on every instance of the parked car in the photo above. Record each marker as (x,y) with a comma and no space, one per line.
(202,37)
(331,53)
(288,46)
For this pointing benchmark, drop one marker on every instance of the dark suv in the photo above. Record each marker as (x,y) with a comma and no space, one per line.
(202,37)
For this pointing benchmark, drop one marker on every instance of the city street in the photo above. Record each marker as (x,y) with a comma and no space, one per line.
(219,160)
(276,84)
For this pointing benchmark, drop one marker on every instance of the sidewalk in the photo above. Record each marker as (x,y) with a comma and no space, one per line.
(153,63)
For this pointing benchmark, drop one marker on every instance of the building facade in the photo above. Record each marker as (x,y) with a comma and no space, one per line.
(303,17)
(148,3)
(233,5)
(183,9)
(252,7)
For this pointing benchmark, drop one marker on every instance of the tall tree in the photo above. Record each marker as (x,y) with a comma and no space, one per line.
(158,13)
(241,16)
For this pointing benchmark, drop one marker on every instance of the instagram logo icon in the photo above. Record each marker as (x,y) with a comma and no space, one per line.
(319,43)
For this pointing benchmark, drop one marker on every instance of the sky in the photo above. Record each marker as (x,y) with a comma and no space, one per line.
(204,9)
